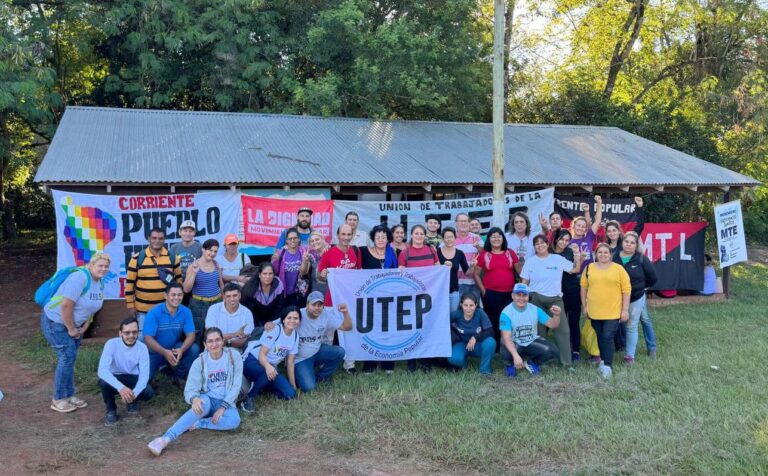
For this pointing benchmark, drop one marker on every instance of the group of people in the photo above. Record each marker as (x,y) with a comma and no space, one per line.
(277,328)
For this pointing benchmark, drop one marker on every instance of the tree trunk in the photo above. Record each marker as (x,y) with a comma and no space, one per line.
(8,225)
(621,50)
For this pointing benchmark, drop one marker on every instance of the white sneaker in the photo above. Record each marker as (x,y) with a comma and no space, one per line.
(158,445)
(605,371)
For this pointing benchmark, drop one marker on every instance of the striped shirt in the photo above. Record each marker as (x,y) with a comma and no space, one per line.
(143,287)
(207,283)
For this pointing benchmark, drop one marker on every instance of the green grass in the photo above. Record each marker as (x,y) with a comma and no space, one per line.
(671,416)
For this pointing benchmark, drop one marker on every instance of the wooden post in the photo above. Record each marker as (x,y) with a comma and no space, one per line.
(726,270)
(498,115)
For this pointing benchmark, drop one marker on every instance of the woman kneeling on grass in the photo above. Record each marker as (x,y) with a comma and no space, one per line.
(262,358)
(212,388)
(471,334)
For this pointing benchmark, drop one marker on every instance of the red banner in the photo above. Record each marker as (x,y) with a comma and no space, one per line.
(265,218)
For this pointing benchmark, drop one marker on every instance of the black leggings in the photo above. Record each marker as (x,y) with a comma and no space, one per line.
(606,332)
(572,303)
(538,352)
(493,303)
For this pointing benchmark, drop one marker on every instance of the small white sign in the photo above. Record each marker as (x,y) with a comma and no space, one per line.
(731,241)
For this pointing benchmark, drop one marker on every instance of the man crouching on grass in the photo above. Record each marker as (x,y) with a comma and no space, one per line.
(519,333)
(124,370)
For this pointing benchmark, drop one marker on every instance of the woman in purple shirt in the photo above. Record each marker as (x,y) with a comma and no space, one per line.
(287,263)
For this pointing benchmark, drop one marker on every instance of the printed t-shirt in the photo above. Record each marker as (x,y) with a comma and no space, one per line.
(216,379)
(231,269)
(279,344)
(291,263)
(545,275)
(218,316)
(604,290)
(417,257)
(312,331)
(585,244)
(499,275)
(523,247)
(86,305)
(467,246)
(335,258)
(168,330)
(187,255)
(522,323)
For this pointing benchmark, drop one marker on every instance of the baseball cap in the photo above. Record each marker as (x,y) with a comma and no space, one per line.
(188,224)
(315,296)
(231,238)
(521,288)
(304,209)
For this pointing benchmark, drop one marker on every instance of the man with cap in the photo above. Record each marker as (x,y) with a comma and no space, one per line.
(303,224)
(187,250)
(232,262)
(519,333)
(318,360)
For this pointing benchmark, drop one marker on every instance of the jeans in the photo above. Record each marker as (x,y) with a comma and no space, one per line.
(638,313)
(493,303)
(328,359)
(538,352)
(453,301)
(562,332)
(472,289)
(228,421)
(606,332)
(140,316)
(108,392)
(157,361)
(66,353)
(484,350)
(199,312)
(255,372)
(572,302)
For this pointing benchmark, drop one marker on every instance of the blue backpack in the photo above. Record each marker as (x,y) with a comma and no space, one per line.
(48,289)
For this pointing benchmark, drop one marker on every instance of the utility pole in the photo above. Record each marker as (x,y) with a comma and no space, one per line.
(499,218)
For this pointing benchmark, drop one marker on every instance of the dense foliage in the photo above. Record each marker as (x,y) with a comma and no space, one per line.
(688,74)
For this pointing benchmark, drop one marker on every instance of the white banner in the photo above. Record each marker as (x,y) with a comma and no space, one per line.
(731,240)
(119,224)
(396,314)
(540,202)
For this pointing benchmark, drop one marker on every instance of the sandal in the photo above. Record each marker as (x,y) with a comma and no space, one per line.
(78,402)
(62,406)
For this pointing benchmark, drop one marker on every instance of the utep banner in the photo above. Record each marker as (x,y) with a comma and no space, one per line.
(396,314)
(731,240)
(265,218)
(119,224)
(677,253)
(620,209)
(411,212)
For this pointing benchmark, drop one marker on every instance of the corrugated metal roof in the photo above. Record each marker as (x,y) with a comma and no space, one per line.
(124,146)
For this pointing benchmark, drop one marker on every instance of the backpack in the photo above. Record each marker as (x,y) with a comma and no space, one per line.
(48,289)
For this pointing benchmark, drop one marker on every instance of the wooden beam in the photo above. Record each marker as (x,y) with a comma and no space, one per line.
(510,188)
(383,188)
(588,188)
(469,187)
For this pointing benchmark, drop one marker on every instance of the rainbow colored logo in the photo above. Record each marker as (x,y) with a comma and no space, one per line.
(88,230)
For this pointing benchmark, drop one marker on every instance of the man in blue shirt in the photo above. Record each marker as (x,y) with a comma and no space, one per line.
(169,333)
(519,333)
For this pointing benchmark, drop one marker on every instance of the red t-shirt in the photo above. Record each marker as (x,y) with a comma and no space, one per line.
(335,258)
(417,257)
(499,275)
